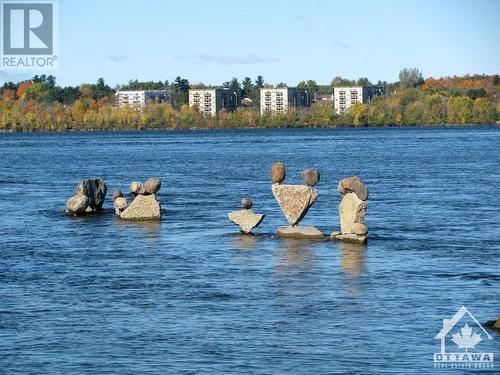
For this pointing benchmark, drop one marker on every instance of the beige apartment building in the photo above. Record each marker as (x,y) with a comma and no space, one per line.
(210,101)
(140,98)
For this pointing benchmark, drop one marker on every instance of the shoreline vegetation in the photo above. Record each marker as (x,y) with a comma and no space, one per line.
(39,105)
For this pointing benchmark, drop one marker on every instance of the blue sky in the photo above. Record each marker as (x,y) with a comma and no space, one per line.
(284,41)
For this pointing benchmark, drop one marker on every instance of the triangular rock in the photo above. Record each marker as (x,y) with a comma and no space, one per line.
(294,200)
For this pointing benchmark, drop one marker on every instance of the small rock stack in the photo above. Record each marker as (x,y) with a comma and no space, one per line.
(246,218)
(89,197)
(352,210)
(145,206)
(295,201)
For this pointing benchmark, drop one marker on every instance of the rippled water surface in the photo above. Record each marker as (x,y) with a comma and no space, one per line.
(190,295)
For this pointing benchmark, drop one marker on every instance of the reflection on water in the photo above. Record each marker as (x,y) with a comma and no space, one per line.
(352,258)
(245,242)
(295,255)
(352,261)
(149,229)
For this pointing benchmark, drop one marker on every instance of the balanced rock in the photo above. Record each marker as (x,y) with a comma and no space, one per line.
(246,203)
(117,194)
(144,207)
(353,184)
(299,232)
(246,219)
(120,204)
(359,228)
(95,190)
(294,200)
(311,177)
(278,172)
(152,185)
(77,204)
(351,210)
(135,188)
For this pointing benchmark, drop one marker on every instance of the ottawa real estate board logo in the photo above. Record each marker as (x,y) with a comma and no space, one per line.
(29,34)
(461,334)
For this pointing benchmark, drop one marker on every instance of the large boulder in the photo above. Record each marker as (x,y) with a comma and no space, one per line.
(278,172)
(144,207)
(152,185)
(246,219)
(353,184)
(294,200)
(77,204)
(95,190)
(351,210)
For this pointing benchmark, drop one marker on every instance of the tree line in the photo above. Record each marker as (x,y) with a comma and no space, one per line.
(40,104)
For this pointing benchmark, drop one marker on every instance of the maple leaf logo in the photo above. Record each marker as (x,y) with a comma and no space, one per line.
(466,339)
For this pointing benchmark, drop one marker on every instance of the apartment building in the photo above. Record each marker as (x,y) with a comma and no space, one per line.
(212,100)
(140,98)
(344,97)
(280,100)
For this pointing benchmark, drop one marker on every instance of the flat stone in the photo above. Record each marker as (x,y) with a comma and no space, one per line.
(144,207)
(299,232)
(246,219)
(294,200)
(352,238)
(353,184)
(351,210)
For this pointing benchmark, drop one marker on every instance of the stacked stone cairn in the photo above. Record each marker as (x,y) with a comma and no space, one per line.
(246,218)
(295,201)
(145,206)
(89,197)
(352,210)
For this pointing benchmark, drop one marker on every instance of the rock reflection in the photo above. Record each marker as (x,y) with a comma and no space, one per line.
(352,261)
(245,242)
(296,254)
(150,229)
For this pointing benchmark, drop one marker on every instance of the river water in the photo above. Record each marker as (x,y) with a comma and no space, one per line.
(191,295)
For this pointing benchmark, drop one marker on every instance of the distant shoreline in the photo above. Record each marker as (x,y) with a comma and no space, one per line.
(210,129)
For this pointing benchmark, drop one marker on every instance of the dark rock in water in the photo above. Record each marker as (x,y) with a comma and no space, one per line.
(95,190)
(152,185)
(246,203)
(117,194)
(353,184)
(311,177)
(77,204)
(493,324)
(278,172)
